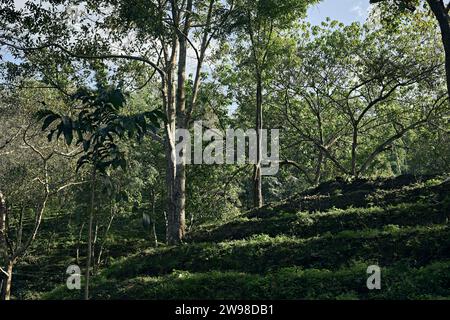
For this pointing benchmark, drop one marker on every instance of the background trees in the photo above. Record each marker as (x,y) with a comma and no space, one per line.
(351,101)
(122,32)
(258,29)
(360,91)
(33,175)
(395,10)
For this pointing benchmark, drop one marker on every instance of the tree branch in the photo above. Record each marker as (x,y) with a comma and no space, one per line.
(86,56)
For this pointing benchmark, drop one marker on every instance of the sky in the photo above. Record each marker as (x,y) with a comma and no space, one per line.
(346,11)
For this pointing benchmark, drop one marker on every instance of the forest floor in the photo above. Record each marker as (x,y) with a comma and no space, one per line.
(314,245)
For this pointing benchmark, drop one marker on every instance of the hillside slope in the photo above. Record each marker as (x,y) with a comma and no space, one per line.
(315,245)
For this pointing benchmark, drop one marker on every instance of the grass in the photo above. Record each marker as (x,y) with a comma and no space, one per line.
(315,245)
(400,281)
(304,224)
(263,254)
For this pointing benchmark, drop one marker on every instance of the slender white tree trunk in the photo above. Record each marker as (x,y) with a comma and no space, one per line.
(257,177)
(6,292)
(90,227)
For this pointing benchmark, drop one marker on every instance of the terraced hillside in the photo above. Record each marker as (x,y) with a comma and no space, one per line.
(315,245)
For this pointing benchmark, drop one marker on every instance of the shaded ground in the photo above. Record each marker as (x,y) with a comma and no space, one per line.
(315,245)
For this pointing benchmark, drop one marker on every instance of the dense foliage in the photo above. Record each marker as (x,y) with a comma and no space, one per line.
(92,94)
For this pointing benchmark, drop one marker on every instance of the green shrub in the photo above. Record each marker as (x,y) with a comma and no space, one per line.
(398,282)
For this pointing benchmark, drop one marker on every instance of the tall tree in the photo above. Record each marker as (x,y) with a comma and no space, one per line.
(157,34)
(440,10)
(349,81)
(32,177)
(259,24)
(97,125)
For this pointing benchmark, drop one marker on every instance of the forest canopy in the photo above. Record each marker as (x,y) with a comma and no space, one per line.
(93,94)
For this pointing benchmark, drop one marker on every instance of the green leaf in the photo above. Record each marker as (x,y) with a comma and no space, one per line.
(86,145)
(50,135)
(117,98)
(82,161)
(160,114)
(68,130)
(123,164)
(41,114)
(59,130)
(49,120)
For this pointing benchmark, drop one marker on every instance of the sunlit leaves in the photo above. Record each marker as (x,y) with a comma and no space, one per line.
(98,125)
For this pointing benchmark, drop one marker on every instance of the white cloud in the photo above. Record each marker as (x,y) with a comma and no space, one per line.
(19,3)
(358,10)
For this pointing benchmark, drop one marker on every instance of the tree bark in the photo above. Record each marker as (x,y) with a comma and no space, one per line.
(441,14)
(6,290)
(5,275)
(172,221)
(257,177)
(91,220)
(2,222)
(153,219)
(20,228)
(80,235)
(180,177)
(105,236)
(173,216)
(354,147)
(94,246)
(178,115)
(318,174)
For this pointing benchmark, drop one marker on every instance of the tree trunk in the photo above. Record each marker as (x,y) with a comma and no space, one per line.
(153,219)
(257,178)
(3,244)
(172,220)
(105,236)
(80,234)
(166,222)
(180,177)
(173,214)
(354,147)
(181,123)
(94,246)
(6,290)
(180,201)
(176,111)
(91,220)
(2,222)
(20,228)
(5,274)
(318,174)
(441,14)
